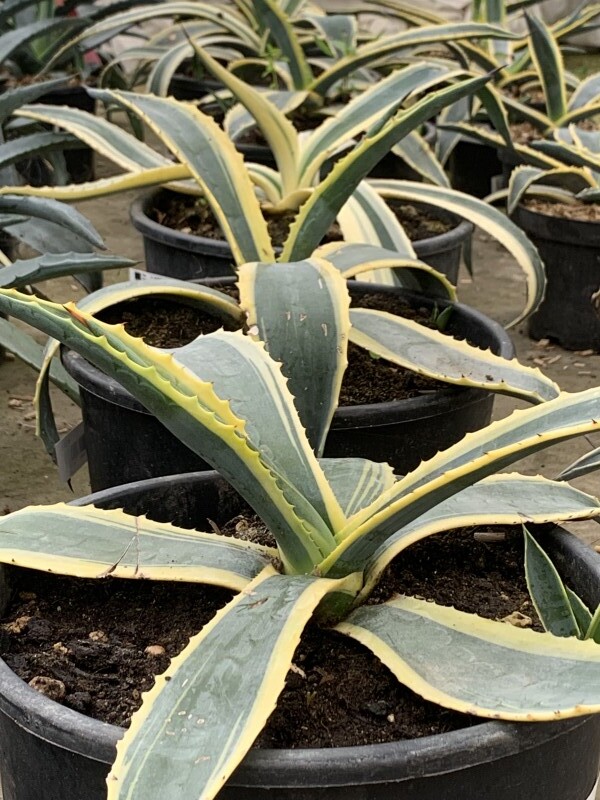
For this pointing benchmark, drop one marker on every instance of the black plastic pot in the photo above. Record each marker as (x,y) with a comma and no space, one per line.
(125,443)
(188,257)
(50,752)
(569,249)
(80,161)
(472,165)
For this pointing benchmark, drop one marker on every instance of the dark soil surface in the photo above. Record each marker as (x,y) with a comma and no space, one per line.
(97,645)
(582,212)
(193,215)
(368,379)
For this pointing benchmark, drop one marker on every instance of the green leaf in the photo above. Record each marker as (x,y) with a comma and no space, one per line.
(478,666)
(589,462)
(88,542)
(201,718)
(548,592)
(586,93)
(356,482)
(504,499)
(524,179)
(415,152)
(33,270)
(13,41)
(547,58)
(190,408)
(432,353)
(13,99)
(315,216)
(213,162)
(284,35)
(34,144)
(300,312)
(52,211)
(486,217)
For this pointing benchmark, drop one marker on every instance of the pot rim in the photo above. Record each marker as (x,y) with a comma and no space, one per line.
(426,406)
(343,766)
(151,229)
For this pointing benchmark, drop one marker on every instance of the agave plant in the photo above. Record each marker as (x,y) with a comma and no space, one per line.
(337,523)
(540,68)
(295,191)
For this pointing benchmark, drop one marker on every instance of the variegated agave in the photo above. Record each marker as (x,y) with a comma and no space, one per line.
(539,67)
(206,154)
(337,524)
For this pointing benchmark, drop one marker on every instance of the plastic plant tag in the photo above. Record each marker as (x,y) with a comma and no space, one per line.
(143,275)
(70,453)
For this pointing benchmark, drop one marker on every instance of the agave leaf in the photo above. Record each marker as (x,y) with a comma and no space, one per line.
(593,632)
(12,41)
(446,138)
(268,180)
(34,144)
(300,312)
(361,113)
(31,353)
(180,742)
(547,58)
(357,259)
(88,542)
(279,132)
(374,51)
(524,178)
(191,409)
(509,673)
(282,32)
(586,93)
(213,162)
(580,611)
(238,120)
(504,499)
(488,219)
(109,140)
(315,216)
(365,218)
(356,482)
(432,353)
(52,211)
(33,270)
(548,592)
(339,31)
(476,456)
(589,462)
(570,154)
(416,152)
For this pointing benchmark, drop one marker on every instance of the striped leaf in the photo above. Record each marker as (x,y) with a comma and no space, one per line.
(485,217)
(238,120)
(356,482)
(523,179)
(42,268)
(548,62)
(213,162)
(109,140)
(31,353)
(280,134)
(320,209)
(586,93)
(190,408)
(582,466)
(300,312)
(417,153)
(12,41)
(510,673)
(13,99)
(274,19)
(34,144)
(548,592)
(375,51)
(432,353)
(52,211)
(88,542)
(180,745)
(357,259)
(475,457)
(504,499)
(361,113)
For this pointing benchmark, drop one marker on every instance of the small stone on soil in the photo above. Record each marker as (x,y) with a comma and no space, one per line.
(50,687)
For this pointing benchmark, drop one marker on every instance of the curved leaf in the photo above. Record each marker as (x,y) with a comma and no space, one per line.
(432,353)
(88,542)
(282,32)
(300,312)
(356,482)
(589,462)
(547,58)
(478,666)
(415,152)
(52,211)
(488,219)
(42,268)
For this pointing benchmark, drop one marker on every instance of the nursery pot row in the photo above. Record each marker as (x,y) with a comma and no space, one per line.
(125,443)
(50,752)
(188,257)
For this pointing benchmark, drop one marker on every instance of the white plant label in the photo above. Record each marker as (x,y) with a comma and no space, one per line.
(143,275)
(70,453)
(594,790)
